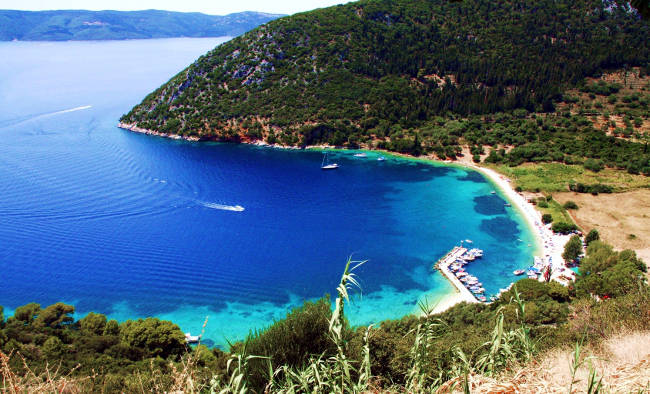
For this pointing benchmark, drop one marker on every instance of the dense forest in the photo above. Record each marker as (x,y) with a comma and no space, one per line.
(65,25)
(314,348)
(370,69)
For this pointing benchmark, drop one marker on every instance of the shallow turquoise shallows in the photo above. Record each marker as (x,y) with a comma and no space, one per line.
(133,226)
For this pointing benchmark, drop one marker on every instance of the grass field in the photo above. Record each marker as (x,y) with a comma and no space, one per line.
(555,177)
(557,211)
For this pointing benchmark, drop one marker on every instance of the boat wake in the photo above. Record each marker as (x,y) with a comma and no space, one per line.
(17,121)
(233,208)
(69,110)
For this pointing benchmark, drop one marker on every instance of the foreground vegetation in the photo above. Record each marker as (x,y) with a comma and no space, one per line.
(315,350)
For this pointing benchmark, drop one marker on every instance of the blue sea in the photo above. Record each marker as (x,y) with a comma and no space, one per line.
(132,226)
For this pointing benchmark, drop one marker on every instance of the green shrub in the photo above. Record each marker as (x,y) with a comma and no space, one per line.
(607,273)
(570,205)
(547,218)
(592,236)
(594,165)
(563,228)
(292,340)
(157,337)
(572,249)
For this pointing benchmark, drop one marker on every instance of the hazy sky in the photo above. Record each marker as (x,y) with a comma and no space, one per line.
(215,7)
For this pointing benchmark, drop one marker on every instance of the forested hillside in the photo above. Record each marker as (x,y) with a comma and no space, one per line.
(67,25)
(356,69)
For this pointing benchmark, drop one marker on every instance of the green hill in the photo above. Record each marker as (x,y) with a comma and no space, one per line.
(119,25)
(352,68)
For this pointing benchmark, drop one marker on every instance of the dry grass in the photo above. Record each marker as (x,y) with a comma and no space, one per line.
(615,216)
(52,380)
(181,378)
(623,362)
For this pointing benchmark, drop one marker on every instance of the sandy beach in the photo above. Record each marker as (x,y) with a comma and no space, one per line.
(550,246)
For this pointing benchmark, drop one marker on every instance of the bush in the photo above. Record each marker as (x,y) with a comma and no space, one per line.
(570,205)
(572,249)
(53,348)
(592,236)
(292,340)
(93,323)
(158,337)
(606,272)
(547,218)
(593,189)
(55,316)
(563,228)
(594,165)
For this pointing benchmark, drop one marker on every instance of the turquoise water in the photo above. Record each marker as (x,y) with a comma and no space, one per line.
(133,226)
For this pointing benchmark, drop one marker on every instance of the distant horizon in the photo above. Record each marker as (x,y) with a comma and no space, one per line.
(286,7)
(142,10)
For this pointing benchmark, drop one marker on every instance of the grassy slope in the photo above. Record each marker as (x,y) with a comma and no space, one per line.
(555,177)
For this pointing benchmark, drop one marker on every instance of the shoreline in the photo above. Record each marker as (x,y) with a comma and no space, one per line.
(547,244)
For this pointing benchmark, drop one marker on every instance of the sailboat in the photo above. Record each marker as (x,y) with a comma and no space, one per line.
(325,165)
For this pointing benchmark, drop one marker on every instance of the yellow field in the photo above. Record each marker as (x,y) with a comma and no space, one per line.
(622,219)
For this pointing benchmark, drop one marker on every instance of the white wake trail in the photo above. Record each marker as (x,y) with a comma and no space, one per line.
(234,208)
(69,110)
(30,118)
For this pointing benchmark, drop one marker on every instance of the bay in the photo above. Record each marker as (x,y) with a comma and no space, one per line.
(133,226)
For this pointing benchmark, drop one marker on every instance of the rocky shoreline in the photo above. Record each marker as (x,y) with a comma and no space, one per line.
(133,127)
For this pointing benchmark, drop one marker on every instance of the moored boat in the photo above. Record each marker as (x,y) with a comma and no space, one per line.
(189,338)
(325,165)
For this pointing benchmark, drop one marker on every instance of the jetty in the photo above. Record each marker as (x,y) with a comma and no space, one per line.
(443,266)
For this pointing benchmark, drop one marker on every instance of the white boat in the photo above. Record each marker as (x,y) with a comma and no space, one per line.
(325,165)
(189,338)
(360,155)
(381,158)
(518,272)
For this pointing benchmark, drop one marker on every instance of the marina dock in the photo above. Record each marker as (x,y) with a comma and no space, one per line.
(443,265)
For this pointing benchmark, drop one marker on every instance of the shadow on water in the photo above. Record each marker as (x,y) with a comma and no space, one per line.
(490,205)
(501,228)
(473,176)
